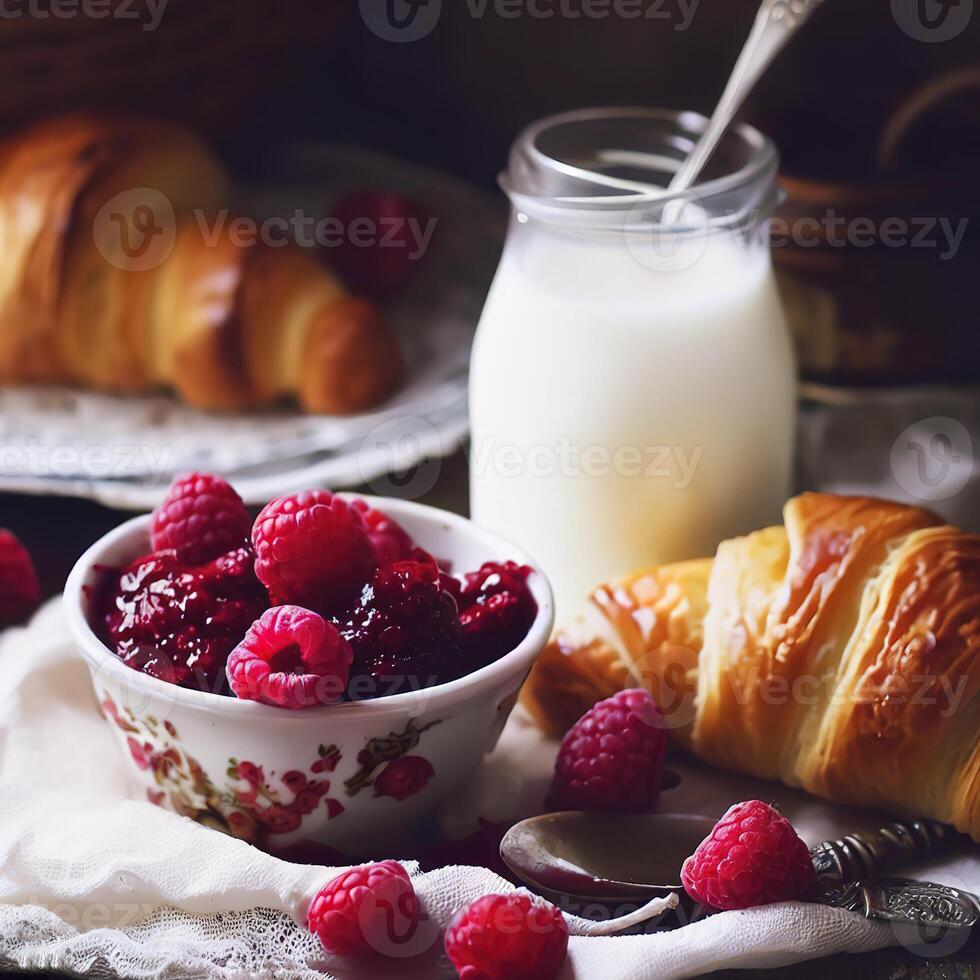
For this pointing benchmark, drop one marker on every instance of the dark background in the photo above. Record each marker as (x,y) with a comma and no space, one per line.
(251,72)
(456,98)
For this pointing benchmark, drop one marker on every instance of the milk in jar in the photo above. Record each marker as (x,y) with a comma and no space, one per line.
(632,380)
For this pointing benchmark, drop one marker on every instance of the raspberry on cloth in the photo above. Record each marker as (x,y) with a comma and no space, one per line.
(370,909)
(508,937)
(752,857)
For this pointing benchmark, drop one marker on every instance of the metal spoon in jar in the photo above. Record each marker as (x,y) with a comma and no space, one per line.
(630,857)
(776,22)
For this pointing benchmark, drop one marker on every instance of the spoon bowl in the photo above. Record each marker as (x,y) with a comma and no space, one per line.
(602,856)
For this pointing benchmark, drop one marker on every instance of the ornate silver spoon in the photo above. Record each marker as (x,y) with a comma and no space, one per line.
(618,858)
(776,22)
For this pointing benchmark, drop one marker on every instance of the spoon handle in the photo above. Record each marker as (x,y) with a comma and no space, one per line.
(866,855)
(776,22)
(921,908)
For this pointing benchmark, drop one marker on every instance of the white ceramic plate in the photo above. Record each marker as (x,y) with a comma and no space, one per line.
(123,451)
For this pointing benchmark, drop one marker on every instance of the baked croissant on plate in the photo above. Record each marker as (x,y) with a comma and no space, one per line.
(840,654)
(116,275)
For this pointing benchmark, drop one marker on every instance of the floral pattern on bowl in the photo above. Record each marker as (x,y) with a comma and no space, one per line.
(250,804)
(386,765)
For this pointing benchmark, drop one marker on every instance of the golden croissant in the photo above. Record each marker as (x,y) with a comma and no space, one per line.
(839,653)
(84,299)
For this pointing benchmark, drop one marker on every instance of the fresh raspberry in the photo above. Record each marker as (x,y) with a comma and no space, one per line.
(497,610)
(752,857)
(507,937)
(312,549)
(613,757)
(369,909)
(178,622)
(390,540)
(201,518)
(406,625)
(20,593)
(290,657)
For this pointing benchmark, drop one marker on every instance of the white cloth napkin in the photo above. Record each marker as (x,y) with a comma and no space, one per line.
(95,881)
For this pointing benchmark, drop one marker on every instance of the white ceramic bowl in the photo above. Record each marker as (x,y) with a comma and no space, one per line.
(258,771)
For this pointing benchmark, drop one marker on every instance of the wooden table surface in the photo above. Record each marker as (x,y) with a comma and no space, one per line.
(57,531)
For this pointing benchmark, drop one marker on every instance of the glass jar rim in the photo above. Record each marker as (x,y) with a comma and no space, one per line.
(762,160)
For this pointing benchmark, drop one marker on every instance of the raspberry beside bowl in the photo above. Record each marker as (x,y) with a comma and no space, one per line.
(353,777)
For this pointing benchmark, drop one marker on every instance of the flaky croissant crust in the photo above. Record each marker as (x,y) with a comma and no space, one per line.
(839,653)
(227,325)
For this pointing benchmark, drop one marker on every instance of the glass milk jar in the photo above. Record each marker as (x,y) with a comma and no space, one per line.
(632,383)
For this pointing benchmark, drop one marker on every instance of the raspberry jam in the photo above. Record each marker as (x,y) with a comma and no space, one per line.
(404,630)
(416,626)
(410,626)
(496,611)
(179,622)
